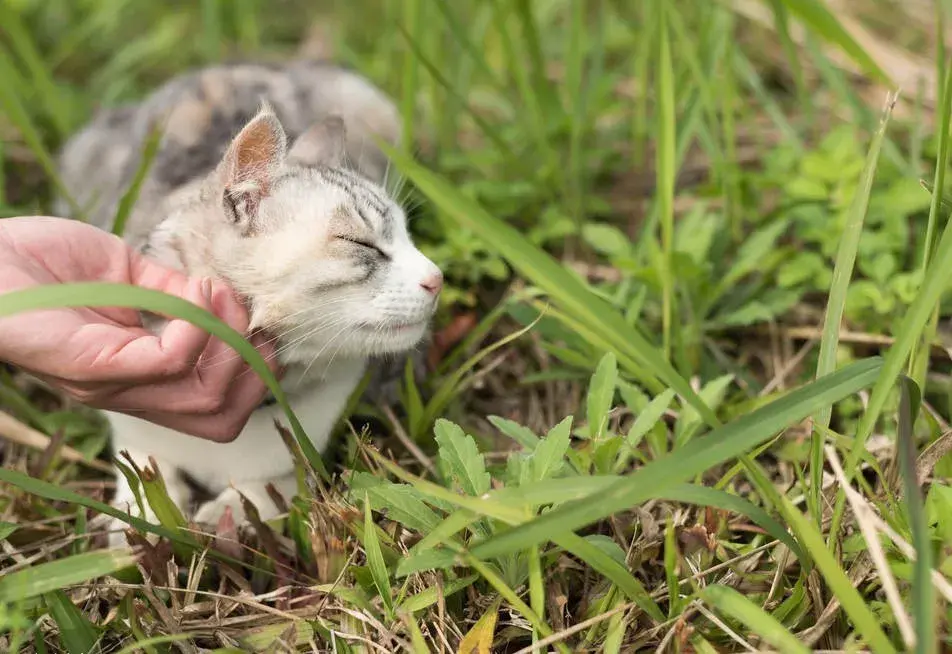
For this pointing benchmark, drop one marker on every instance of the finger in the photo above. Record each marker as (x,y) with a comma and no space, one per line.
(108,353)
(224,426)
(206,392)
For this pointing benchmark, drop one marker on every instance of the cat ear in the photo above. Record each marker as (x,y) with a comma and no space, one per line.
(323,144)
(250,164)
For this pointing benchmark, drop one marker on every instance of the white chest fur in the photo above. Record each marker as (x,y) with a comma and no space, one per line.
(258,454)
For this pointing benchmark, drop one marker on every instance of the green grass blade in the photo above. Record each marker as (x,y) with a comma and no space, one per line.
(488,130)
(98,294)
(665,172)
(378,568)
(697,456)
(907,334)
(923,594)
(55,575)
(41,78)
(729,601)
(411,74)
(17,114)
(817,17)
(842,274)
(128,200)
(918,364)
(544,271)
(77,633)
(861,616)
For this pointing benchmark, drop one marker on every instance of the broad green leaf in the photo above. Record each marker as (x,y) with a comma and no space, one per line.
(77,633)
(699,455)
(102,294)
(522,435)
(400,501)
(541,269)
(601,392)
(649,417)
(463,461)
(61,573)
(861,616)
(737,606)
(548,456)
(378,568)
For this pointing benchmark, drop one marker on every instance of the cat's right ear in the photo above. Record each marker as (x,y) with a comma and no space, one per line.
(249,166)
(323,144)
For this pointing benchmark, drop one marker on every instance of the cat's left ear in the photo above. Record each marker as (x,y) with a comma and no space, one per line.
(250,165)
(323,144)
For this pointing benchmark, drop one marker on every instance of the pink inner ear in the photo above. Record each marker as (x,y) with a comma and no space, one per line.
(256,150)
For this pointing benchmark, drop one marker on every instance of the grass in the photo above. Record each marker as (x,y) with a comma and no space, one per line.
(690,269)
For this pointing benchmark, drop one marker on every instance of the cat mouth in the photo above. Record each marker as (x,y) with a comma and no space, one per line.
(396,326)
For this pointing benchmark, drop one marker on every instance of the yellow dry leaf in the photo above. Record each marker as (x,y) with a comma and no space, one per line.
(480,637)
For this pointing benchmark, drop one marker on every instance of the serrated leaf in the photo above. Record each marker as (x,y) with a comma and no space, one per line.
(464,463)
(601,392)
(402,503)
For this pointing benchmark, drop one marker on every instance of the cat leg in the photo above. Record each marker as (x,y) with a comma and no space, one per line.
(256,492)
(125,499)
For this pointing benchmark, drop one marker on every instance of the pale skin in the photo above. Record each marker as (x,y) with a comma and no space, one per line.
(103,357)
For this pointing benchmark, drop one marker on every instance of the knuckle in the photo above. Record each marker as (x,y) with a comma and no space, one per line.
(224,431)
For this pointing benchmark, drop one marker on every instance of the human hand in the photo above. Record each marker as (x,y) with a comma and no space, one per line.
(182,379)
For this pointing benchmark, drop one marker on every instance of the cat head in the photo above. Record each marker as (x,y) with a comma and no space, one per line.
(320,253)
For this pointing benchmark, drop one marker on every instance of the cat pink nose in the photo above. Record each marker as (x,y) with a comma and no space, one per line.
(433,283)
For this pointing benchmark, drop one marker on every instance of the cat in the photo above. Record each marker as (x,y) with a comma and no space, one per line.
(266,177)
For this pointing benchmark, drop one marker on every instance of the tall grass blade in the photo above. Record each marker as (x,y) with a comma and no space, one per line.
(541,269)
(842,274)
(817,17)
(77,633)
(737,606)
(665,172)
(128,200)
(49,96)
(923,594)
(54,575)
(861,616)
(378,568)
(919,357)
(15,112)
(907,334)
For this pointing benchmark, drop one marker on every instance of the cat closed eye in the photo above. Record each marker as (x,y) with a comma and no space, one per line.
(364,244)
